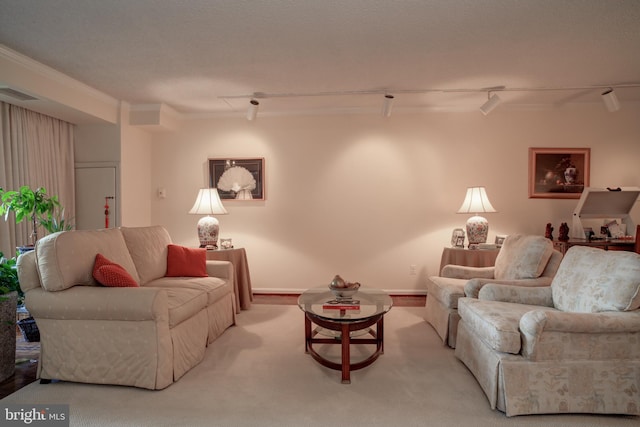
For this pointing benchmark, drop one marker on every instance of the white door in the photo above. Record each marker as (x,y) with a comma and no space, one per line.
(96,197)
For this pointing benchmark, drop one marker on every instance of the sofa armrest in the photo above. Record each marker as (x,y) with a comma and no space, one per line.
(473,286)
(99,303)
(221,269)
(28,271)
(463,272)
(537,321)
(517,294)
(557,335)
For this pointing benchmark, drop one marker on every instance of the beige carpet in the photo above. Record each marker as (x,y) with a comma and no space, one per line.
(257,374)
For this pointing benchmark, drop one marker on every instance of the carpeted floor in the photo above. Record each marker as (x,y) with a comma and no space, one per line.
(257,374)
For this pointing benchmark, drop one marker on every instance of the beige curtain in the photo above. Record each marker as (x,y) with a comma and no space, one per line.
(36,150)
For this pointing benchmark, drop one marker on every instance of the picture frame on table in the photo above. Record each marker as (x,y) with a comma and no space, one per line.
(499,240)
(238,178)
(558,173)
(456,236)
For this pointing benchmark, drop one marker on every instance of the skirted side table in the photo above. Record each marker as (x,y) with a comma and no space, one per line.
(241,279)
(469,257)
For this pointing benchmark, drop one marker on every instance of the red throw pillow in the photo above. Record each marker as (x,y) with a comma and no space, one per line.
(108,273)
(186,262)
(100,261)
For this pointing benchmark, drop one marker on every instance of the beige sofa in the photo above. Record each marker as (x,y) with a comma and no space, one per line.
(147,336)
(570,347)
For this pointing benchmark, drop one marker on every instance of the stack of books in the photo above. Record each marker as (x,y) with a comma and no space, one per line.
(352,306)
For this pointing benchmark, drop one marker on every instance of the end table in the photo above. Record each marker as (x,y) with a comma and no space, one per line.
(469,257)
(241,277)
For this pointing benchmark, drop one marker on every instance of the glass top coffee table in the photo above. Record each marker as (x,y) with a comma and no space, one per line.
(342,321)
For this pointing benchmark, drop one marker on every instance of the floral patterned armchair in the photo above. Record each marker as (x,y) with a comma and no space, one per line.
(524,260)
(573,347)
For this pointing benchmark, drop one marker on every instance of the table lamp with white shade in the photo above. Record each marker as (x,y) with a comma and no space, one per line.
(208,203)
(476,202)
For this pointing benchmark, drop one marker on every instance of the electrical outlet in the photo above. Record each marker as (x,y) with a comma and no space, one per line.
(412,270)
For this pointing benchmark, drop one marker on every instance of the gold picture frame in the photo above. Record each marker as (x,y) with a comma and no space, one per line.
(558,173)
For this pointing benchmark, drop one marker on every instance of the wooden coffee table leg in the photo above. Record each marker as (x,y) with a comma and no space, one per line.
(380,334)
(307,333)
(346,356)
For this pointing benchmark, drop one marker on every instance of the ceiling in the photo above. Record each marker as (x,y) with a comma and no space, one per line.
(208,57)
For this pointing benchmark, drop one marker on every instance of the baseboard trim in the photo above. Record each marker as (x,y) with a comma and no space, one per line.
(282,291)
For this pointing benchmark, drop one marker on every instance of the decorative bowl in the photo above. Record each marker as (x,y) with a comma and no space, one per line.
(342,289)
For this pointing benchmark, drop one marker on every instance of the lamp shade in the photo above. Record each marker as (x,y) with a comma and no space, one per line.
(476,201)
(208,203)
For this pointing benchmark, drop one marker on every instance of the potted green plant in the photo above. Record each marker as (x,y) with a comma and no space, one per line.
(9,278)
(55,220)
(10,292)
(35,206)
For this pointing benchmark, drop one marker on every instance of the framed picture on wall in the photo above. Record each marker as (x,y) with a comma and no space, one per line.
(558,173)
(238,178)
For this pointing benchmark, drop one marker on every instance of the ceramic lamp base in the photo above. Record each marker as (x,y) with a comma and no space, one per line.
(208,228)
(477,230)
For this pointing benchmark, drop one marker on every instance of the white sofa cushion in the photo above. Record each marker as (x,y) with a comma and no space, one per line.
(66,259)
(215,287)
(592,280)
(496,323)
(446,290)
(522,257)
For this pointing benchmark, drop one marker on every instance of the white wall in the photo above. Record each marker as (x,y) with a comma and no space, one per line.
(136,192)
(127,148)
(97,148)
(366,197)
(97,143)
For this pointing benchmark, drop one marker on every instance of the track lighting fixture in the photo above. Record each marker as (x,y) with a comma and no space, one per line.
(386,105)
(492,102)
(610,100)
(252,112)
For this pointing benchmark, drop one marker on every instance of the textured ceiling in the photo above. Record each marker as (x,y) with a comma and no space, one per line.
(207,56)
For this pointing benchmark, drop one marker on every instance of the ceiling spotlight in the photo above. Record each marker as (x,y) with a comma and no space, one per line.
(610,100)
(386,105)
(492,102)
(252,112)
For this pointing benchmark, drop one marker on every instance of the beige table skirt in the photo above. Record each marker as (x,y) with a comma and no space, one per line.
(469,257)
(242,278)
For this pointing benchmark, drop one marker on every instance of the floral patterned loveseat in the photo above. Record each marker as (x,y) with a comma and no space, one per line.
(573,347)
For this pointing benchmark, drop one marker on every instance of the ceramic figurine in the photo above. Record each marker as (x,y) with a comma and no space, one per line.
(549,232)
(564,232)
